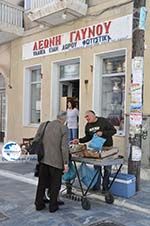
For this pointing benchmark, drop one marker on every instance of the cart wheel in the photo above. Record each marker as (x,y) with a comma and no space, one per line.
(85,204)
(109,198)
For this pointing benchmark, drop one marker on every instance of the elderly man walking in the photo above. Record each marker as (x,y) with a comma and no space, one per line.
(54,162)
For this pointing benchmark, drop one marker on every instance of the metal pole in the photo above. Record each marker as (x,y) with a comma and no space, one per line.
(137,78)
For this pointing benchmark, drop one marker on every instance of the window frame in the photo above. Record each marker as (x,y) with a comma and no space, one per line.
(69,77)
(27,95)
(97,82)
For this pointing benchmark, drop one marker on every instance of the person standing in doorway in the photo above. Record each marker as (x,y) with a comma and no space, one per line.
(54,162)
(72,120)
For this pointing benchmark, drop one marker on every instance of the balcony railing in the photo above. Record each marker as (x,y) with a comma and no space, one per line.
(11,15)
(33,4)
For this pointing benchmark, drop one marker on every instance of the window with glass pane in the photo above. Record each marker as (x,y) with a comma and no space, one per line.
(114,65)
(69,71)
(35,95)
(113,93)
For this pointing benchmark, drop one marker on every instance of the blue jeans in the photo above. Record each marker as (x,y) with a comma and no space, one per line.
(107,173)
(72,134)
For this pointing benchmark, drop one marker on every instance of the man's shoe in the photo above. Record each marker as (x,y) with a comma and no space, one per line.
(52,210)
(96,189)
(104,191)
(60,202)
(45,200)
(38,208)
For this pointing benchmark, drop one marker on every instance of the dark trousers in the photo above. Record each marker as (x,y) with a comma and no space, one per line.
(107,173)
(48,177)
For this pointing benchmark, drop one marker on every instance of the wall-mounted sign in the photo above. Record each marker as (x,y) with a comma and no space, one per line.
(11,151)
(103,32)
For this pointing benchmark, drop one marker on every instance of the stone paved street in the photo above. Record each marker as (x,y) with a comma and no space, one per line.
(17,193)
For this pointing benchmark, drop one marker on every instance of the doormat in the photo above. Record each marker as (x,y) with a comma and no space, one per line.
(106,223)
(3,217)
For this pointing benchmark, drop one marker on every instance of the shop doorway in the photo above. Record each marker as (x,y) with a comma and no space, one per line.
(69,90)
(65,84)
(69,83)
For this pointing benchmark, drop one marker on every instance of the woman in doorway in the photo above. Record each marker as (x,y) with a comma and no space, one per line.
(72,120)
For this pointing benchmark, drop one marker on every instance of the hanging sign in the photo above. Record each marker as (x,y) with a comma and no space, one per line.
(103,32)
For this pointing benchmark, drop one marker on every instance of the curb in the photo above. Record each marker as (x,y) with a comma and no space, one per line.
(123,203)
(117,202)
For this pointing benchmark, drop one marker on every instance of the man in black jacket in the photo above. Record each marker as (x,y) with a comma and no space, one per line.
(103,128)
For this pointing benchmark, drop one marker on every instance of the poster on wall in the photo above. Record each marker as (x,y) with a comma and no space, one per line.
(103,32)
(136,105)
(135,119)
(136,153)
(135,123)
(136,94)
(137,69)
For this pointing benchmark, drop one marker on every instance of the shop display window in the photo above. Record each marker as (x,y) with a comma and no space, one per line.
(113,91)
(114,65)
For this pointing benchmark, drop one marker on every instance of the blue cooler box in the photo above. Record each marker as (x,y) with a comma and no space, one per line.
(124,185)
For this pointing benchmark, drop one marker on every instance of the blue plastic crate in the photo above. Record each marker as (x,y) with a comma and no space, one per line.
(124,185)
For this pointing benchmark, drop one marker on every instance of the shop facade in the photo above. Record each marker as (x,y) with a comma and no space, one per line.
(88,60)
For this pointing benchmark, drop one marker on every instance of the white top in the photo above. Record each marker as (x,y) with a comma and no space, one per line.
(72,118)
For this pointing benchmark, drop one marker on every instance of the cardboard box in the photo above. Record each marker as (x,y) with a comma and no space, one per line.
(124,185)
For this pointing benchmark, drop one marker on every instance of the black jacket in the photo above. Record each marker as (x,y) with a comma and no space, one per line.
(103,125)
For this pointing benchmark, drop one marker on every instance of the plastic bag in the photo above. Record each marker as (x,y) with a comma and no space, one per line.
(87,173)
(96,142)
(71,174)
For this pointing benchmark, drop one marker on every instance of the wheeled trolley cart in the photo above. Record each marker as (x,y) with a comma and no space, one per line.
(96,162)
